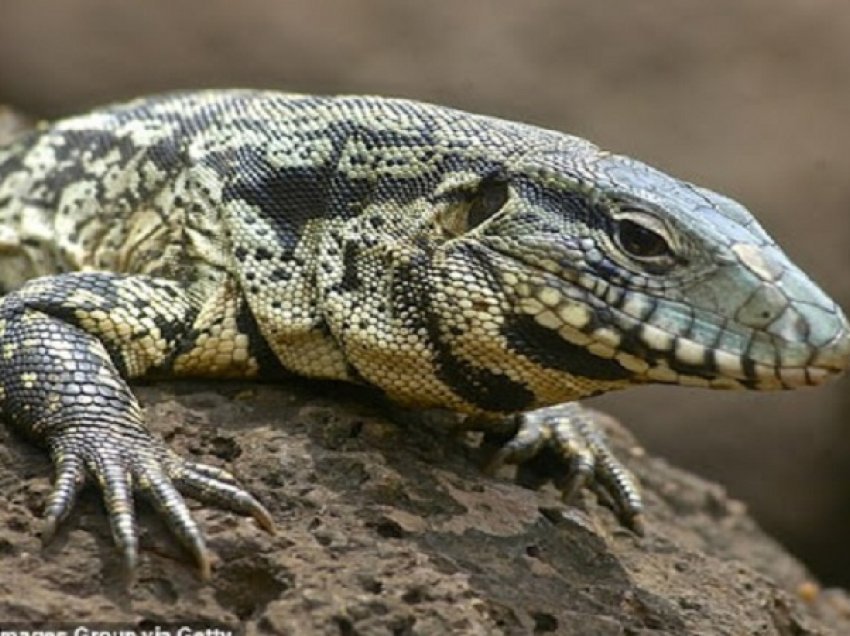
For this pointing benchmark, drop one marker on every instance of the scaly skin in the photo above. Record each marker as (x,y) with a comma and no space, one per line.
(450,260)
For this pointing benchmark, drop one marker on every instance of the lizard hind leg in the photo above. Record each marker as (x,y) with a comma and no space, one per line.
(564,444)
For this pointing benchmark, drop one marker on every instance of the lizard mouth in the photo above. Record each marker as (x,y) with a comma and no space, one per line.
(625,334)
(784,335)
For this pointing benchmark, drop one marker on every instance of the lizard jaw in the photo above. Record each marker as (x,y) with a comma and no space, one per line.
(832,359)
(655,355)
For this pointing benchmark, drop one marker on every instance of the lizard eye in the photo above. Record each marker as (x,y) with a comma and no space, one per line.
(491,195)
(641,242)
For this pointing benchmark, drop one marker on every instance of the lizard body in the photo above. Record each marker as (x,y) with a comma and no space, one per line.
(451,260)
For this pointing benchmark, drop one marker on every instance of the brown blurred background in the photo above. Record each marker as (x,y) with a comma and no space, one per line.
(751,98)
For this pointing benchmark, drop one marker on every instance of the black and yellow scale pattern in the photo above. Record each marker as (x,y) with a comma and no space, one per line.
(450,260)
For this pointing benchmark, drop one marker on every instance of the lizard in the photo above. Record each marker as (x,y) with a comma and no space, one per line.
(450,260)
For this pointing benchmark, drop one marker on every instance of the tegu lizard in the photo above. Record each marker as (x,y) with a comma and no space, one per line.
(449,260)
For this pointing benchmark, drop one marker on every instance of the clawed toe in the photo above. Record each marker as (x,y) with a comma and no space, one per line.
(70,477)
(564,445)
(217,487)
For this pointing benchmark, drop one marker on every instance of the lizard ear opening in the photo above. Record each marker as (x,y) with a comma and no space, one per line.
(476,206)
(491,196)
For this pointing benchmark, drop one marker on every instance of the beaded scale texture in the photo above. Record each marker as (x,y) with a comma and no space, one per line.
(450,260)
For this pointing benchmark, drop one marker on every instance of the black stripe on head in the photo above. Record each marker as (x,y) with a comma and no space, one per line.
(545,347)
(474,384)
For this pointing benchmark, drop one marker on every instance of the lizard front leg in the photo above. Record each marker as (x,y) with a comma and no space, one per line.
(564,444)
(66,341)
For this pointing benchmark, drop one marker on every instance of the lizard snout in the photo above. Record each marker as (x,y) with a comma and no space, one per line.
(834,357)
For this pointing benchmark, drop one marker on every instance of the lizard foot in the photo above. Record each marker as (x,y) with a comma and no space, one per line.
(61,386)
(563,444)
(131,461)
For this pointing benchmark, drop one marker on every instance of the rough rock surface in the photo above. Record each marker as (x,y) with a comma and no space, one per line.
(389,528)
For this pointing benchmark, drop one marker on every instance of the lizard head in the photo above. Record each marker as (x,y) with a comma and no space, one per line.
(614,273)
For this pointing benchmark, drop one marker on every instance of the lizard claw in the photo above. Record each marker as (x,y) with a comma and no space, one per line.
(563,444)
(218,487)
(70,477)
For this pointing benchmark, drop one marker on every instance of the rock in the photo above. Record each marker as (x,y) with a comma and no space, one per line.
(392,529)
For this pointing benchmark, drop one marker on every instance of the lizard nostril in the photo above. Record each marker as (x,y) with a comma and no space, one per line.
(763,307)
